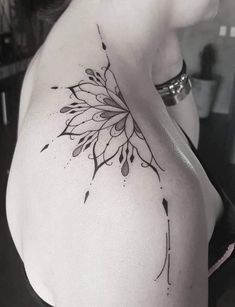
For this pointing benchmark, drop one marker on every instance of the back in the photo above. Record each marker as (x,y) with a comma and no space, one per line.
(97,217)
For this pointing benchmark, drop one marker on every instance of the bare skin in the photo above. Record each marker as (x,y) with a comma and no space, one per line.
(93,234)
(167,64)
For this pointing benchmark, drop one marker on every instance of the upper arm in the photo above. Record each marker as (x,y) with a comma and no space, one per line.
(128,240)
(113,256)
(123,217)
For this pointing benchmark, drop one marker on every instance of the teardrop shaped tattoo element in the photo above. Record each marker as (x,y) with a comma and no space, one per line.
(86,196)
(45,147)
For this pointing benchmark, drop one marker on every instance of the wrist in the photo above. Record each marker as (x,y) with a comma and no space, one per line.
(176,89)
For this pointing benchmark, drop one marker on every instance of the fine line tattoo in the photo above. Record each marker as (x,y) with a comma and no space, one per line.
(103,127)
(166,264)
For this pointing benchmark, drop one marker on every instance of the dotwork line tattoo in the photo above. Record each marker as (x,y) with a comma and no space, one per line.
(167,260)
(100,122)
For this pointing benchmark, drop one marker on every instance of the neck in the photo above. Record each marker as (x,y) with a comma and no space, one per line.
(129,24)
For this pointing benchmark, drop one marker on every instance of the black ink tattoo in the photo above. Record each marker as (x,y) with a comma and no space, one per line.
(166,264)
(86,196)
(101,122)
(102,125)
(45,147)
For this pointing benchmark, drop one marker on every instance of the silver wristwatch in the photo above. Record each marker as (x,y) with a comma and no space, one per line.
(176,89)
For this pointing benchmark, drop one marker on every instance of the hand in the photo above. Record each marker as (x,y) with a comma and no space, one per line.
(168,61)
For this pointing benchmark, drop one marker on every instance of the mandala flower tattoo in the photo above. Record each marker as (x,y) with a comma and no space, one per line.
(101,120)
(101,124)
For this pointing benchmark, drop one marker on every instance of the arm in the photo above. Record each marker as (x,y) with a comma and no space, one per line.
(186,115)
(115,249)
(125,216)
(168,63)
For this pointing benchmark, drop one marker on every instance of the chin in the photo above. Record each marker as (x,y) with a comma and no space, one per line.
(212,12)
(202,10)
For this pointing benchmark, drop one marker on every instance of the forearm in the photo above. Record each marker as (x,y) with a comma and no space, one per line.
(167,65)
(186,115)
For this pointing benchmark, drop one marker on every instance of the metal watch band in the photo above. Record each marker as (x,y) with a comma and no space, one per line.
(176,89)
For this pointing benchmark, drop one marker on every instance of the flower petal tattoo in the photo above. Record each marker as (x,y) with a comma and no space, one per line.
(101,124)
(100,120)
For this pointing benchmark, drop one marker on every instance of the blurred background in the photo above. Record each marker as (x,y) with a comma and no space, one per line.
(209,51)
